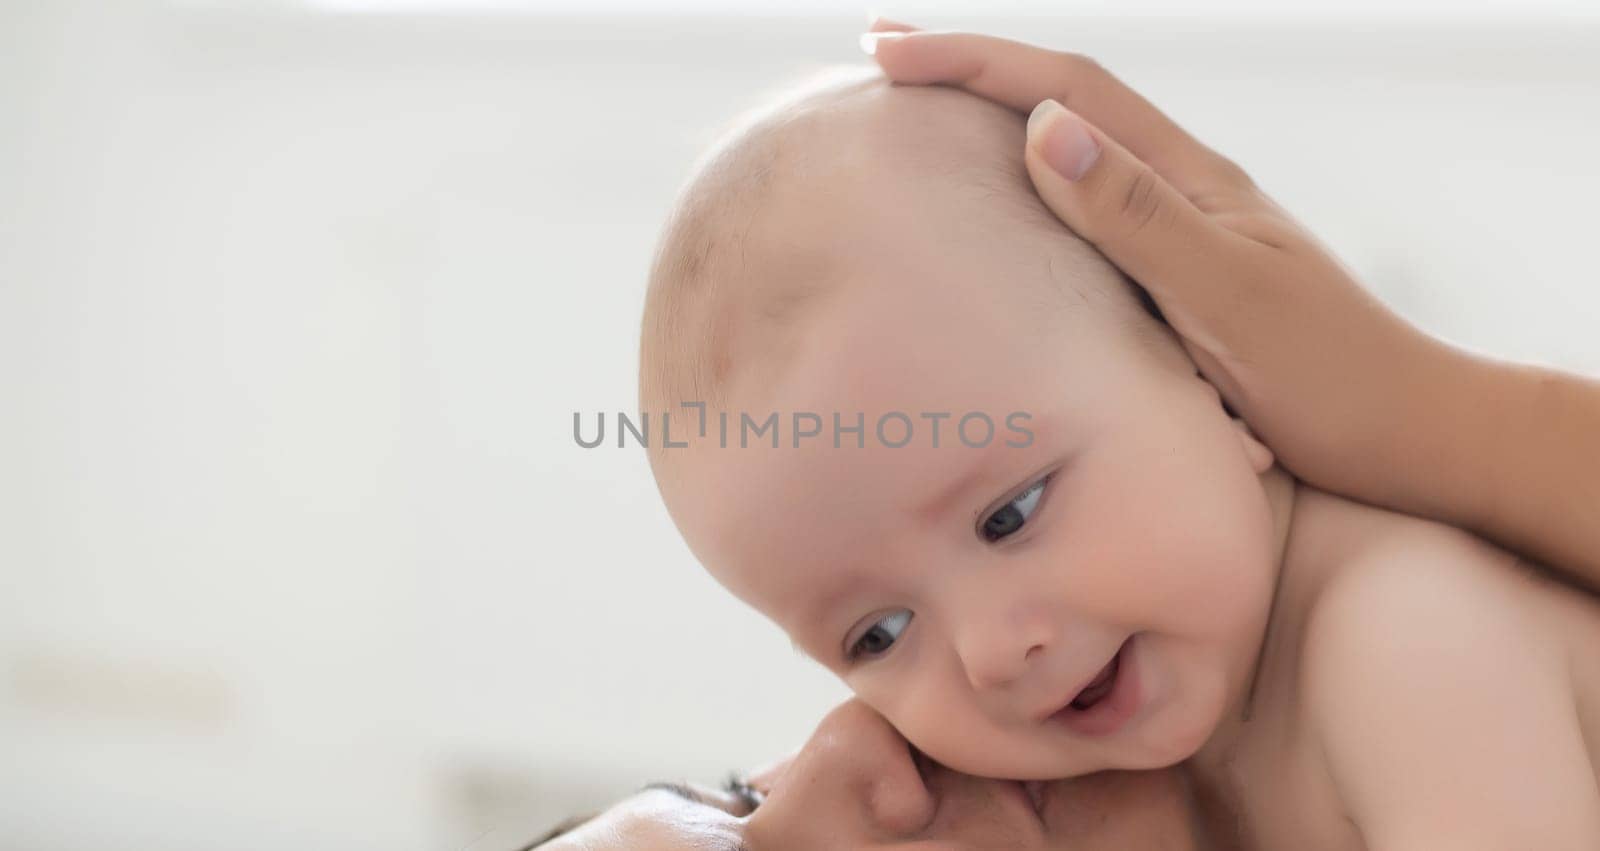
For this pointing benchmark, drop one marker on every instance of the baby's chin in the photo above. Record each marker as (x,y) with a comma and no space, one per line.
(1056,766)
(1054,758)
(1176,730)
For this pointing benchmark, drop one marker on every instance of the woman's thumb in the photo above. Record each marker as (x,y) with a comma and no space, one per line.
(1122,206)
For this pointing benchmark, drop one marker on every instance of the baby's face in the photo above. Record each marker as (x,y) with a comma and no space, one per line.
(1091,599)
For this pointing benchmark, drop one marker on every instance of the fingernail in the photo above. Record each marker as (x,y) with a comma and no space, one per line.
(1062,139)
(870,41)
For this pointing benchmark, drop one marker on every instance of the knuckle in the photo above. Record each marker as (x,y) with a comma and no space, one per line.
(1081,62)
(1142,204)
(1234,173)
(1076,72)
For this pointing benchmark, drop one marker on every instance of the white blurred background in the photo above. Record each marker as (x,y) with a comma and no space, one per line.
(297,302)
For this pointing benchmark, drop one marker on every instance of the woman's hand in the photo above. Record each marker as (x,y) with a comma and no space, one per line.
(1351,397)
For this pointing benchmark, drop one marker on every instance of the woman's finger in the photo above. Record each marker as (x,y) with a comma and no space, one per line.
(1021,75)
(1192,265)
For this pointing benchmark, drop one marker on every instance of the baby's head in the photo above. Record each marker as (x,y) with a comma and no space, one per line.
(995,497)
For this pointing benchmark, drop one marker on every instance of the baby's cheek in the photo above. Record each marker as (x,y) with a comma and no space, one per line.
(1108,558)
(1147,542)
(934,716)
(912,701)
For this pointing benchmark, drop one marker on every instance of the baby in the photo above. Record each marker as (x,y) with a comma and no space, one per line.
(946,447)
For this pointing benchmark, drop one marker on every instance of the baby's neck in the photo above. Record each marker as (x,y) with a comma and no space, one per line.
(1317,536)
(1266,654)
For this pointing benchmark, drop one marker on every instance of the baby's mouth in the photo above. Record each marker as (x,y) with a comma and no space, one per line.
(1108,701)
(1100,686)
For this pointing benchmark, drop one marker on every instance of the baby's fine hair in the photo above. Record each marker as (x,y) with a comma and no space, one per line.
(708,278)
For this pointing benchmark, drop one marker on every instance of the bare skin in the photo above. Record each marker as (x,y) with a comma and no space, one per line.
(1152,540)
(1351,398)
(1536,455)
(1506,450)
(856,785)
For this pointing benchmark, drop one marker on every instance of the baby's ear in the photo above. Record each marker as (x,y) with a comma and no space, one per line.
(1258,453)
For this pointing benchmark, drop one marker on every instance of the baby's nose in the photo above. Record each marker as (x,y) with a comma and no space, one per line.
(998,657)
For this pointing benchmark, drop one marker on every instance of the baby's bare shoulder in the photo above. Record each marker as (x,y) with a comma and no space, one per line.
(1421,587)
(1429,655)
(1421,593)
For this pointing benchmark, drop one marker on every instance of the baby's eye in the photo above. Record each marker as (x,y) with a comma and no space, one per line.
(1015,513)
(880,636)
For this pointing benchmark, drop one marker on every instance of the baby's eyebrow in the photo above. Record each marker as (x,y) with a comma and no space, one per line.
(799,647)
(814,618)
(940,503)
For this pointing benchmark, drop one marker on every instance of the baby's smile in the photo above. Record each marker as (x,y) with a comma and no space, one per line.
(1109,701)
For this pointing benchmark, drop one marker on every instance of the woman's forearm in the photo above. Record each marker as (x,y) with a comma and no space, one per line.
(1542,494)
(1510,451)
